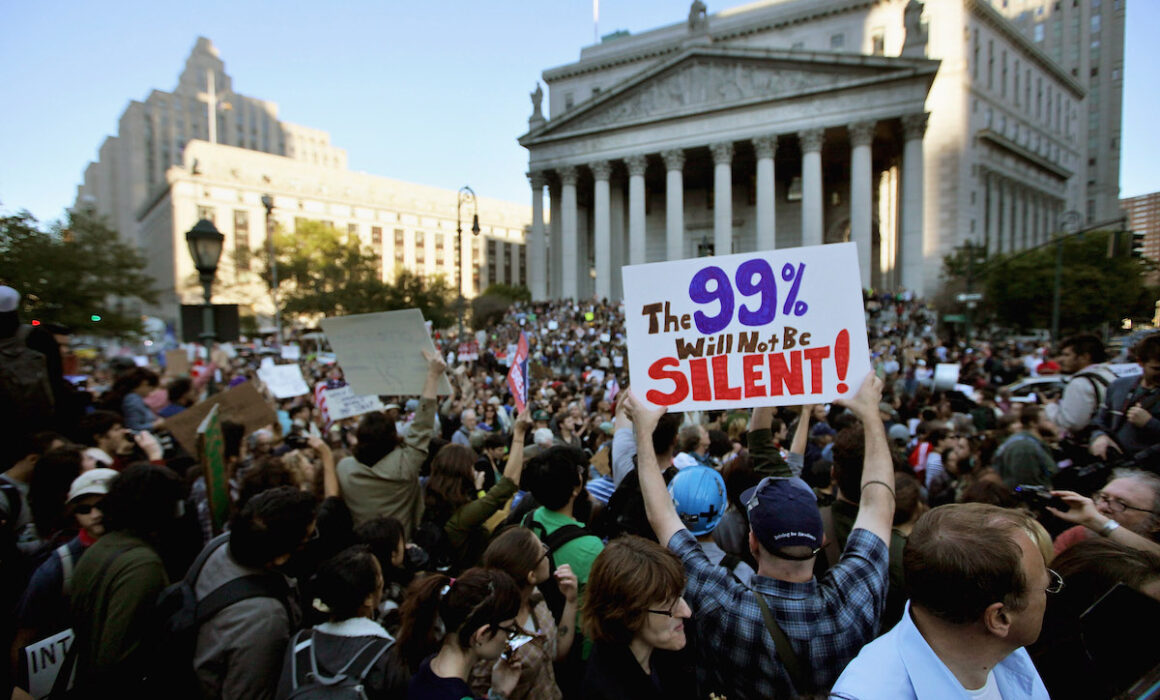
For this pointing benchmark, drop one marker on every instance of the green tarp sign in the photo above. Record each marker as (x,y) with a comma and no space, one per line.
(211,449)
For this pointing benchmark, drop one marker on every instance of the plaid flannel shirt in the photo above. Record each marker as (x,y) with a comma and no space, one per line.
(827,620)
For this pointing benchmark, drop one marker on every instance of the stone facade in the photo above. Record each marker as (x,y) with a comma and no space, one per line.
(409,226)
(798,123)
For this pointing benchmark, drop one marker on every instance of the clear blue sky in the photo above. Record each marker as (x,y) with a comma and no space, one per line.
(434,92)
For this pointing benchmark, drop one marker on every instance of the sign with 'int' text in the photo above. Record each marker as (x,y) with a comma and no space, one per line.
(777,327)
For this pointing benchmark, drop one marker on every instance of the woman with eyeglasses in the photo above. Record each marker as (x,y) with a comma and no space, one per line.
(518,552)
(635,613)
(452,624)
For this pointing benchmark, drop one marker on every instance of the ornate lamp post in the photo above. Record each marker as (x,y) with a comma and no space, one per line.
(268,202)
(466,194)
(205,247)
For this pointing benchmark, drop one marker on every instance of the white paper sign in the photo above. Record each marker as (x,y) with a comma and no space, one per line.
(344,403)
(283,381)
(552,325)
(42,661)
(777,327)
(291,352)
(267,362)
(382,353)
(946,375)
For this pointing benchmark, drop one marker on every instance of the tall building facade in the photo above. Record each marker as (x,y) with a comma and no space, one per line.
(1086,39)
(1143,215)
(171,165)
(907,127)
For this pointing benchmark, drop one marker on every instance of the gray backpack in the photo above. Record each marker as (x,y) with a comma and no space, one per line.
(307,683)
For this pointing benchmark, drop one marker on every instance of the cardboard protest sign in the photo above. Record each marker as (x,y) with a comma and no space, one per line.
(212,452)
(283,381)
(517,378)
(41,662)
(381,353)
(777,327)
(241,404)
(344,403)
(176,362)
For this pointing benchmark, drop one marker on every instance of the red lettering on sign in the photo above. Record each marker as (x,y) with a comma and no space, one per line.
(783,377)
(751,375)
(680,384)
(721,388)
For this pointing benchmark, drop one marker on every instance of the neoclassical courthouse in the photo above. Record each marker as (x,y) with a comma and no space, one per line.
(906,127)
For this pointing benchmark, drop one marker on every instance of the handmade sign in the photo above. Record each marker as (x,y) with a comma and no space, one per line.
(344,403)
(176,362)
(241,404)
(42,662)
(211,450)
(517,378)
(381,353)
(292,352)
(283,381)
(778,327)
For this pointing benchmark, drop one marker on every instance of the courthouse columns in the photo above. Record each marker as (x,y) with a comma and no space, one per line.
(537,251)
(765,148)
(912,248)
(994,243)
(674,204)
(602,229)
(861,136)
(722,198)
(569,288)
(811,144)
(1008,216)
(636,242)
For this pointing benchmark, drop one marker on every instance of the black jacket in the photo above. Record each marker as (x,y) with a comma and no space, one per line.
(614,674)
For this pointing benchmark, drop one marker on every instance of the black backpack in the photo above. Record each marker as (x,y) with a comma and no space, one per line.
(180,615)
(559,537)
(306,682)
(625,513)
(25,388)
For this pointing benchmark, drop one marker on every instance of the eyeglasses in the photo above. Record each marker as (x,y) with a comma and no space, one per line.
(86,508)
(511,632)
(547,553)
(1056,584)
(669,612)
(1114,504)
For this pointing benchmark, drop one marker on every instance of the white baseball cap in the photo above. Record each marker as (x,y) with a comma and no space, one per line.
(9,299)
(94,481)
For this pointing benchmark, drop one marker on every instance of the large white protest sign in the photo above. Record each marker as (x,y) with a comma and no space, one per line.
(777,327)
(292,352)
(344,403)
(283,381)
(382,353)
(42,662)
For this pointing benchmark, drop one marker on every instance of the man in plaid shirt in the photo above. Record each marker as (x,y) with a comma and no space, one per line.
(827,620)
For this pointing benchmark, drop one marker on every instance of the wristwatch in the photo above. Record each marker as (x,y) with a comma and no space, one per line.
(1108,528)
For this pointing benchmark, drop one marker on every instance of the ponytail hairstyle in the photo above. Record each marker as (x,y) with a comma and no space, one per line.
(517,551)
(344,581)
(437,606)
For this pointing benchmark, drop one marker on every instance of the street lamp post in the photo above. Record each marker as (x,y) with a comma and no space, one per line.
(205,247)
(466,194)
(1068,223)
(268,202)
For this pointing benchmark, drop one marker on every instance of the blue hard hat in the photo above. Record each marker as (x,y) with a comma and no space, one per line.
(699,495)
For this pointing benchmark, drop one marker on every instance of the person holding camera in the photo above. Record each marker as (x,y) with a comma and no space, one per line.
(1128,424)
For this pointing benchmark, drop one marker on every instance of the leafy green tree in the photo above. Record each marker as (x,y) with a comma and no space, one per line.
(322,271)
(488,308)
(74,272)
(1095,289)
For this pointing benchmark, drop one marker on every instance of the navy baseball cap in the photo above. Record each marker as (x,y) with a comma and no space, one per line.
(783,512)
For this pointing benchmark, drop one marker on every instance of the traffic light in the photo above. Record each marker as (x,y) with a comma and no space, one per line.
(1137,244)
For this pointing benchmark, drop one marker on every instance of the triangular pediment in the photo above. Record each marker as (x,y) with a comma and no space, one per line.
(703,80)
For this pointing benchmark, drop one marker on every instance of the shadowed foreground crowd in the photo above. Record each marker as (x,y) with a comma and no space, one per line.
(904,542)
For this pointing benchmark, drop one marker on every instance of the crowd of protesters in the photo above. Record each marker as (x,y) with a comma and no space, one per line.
(918,539)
